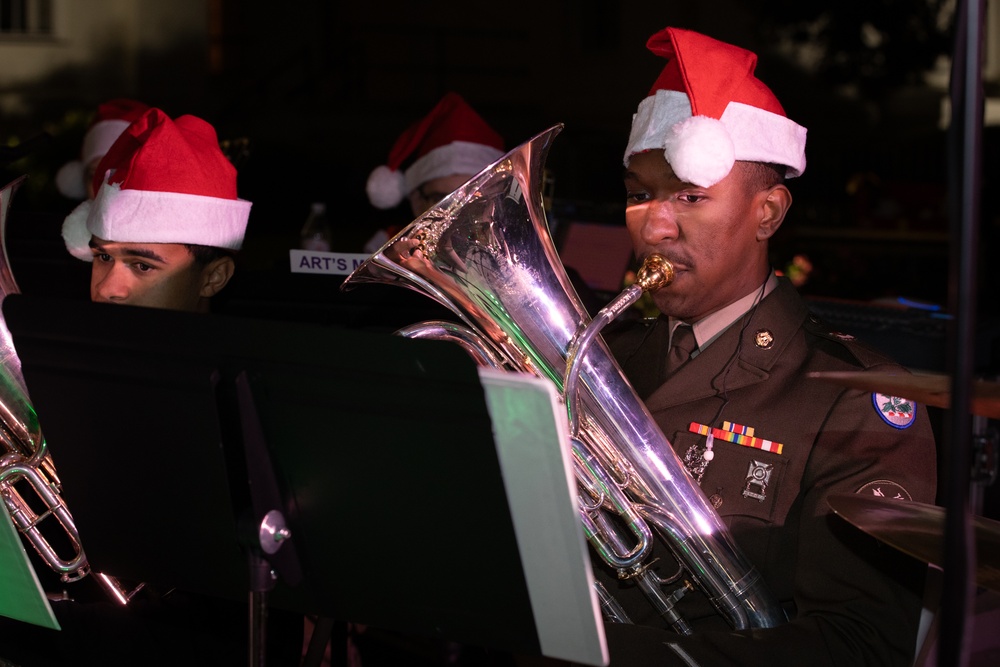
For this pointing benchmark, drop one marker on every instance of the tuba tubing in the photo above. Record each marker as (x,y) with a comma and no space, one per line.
(26,464)
(485,252)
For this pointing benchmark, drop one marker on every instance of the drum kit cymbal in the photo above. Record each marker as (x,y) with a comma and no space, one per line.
(928,388)
(916,528)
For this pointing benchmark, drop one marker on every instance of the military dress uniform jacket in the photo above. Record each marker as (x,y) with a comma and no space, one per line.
(851,600)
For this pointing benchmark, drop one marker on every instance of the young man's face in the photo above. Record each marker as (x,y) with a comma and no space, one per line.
(711,235)
(434,191)
(155,275)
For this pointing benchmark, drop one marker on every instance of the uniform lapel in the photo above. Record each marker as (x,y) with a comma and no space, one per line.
(776,319)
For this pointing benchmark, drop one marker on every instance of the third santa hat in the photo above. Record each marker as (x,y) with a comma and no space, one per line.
(708,109)
(111,119)
(163,181)
(451,139)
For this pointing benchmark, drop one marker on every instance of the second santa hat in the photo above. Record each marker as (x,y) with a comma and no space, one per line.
(451,139)
(707,109)
(163,181)
(109,122)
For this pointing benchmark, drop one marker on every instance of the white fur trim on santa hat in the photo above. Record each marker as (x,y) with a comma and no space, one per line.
(144,216)
(75,233)
(385,187)
(100,137)
(458,157)
(757,135)
(654,118)
(761,136)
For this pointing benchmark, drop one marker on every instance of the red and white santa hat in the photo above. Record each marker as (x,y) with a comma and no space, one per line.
(109,122)
(707,109)
(163,181)
(451,139)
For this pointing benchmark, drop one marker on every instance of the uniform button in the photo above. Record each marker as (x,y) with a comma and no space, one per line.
(716,500)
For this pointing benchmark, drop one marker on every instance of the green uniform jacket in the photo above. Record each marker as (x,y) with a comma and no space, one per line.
(851,600)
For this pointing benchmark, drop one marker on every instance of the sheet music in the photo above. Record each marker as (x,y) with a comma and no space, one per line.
(531,433)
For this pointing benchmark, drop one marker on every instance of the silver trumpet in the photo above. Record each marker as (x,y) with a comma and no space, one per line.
(26,468)
(486,253)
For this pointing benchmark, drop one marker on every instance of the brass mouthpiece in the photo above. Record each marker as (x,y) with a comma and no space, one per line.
(656,272)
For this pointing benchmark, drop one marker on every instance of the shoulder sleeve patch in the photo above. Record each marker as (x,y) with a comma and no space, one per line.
(884,488)
(894,411)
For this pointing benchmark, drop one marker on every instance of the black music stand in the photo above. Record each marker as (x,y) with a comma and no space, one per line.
(382,453)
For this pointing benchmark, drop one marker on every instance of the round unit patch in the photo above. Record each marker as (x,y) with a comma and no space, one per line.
(894,411)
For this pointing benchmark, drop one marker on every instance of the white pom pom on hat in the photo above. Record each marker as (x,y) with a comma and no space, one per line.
(75,233)
(700,150)
(385,187)
(451,139)
(708,80)
(70,180)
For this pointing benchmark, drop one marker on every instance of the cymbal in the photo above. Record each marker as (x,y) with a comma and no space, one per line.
(917,529)
(927,388)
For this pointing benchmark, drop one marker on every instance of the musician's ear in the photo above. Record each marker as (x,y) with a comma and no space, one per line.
(216,275)
(772,205)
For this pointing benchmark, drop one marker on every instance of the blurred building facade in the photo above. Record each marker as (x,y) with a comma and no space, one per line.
(86,49)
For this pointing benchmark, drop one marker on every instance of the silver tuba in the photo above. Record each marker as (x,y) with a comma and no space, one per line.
(486,253)
(28,479)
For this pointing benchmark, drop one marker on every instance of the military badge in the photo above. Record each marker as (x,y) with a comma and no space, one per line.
(894,411)
(758,475)
(695,462)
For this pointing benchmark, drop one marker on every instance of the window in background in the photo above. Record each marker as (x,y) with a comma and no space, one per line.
(25,17)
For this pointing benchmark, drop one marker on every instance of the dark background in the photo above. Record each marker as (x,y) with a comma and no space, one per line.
(320,90)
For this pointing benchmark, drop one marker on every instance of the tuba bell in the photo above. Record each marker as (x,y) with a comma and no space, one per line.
(29,484)
(485,252)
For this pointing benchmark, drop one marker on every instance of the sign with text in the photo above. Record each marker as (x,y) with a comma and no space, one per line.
(332,263)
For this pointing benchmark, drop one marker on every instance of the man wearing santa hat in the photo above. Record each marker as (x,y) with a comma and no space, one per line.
(723,371)
(161,232)
(431,159)
(166,222)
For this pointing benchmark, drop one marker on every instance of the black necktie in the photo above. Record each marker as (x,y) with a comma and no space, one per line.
(682,343)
